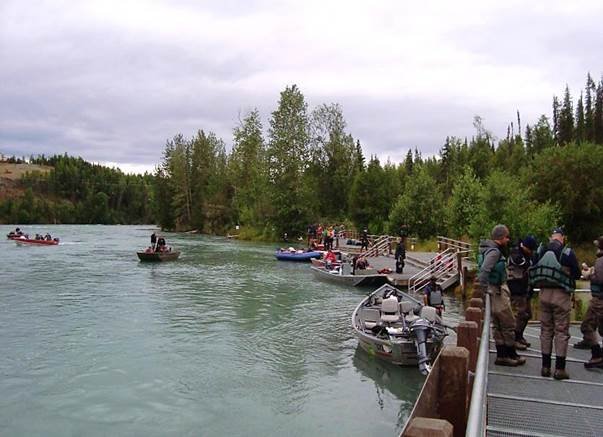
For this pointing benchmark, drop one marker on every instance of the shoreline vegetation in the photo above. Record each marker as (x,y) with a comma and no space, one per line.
(306,167)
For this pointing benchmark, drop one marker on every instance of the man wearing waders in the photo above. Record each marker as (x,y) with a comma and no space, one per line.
(555,273)
(594,314)
(520,260)
(492,279)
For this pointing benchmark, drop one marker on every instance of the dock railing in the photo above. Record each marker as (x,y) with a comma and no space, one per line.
(476,420)
(439,266)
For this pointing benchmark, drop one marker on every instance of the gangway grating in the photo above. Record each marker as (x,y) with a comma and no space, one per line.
(534,418)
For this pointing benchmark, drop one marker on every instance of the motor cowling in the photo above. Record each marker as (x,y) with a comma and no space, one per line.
(420,329)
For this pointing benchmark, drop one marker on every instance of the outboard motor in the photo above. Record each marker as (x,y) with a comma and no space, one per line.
(420,329)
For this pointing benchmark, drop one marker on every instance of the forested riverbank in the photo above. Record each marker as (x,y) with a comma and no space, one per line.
(306,166)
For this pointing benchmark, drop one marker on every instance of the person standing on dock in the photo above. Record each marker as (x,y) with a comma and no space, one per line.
(520,260)
(492,279)
(364,240)
(555,274)
(400,255)
(594,315)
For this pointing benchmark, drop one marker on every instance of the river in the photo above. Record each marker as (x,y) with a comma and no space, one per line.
(224,341)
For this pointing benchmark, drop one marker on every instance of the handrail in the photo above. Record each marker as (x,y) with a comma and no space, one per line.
(461,246)
(476,420)
(438,264)
(382,242)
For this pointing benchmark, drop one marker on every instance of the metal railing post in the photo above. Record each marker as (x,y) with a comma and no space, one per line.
(476,420)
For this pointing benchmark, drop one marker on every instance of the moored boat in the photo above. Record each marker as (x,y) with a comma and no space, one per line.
(300,255)
(398,328)
(366,277)
(158,256)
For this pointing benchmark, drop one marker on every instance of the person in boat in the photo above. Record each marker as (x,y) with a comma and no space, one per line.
(330,259)
(48,237)
(18,232)
(160,244)
(149,249)
(520,260)
(593,319)
(433,296)
(492,280)
(555,273)
(153,240)
(362,263)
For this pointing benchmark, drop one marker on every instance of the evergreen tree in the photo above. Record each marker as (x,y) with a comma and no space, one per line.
(580,134)
(589,108)
(566,119)
(598,115)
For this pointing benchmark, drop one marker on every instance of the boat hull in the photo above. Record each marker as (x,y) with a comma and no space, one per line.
(357,280)
(158,256)
(298,257)
(402,353)
(27,242)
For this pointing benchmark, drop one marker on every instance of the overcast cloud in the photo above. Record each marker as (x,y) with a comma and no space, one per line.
(111,81)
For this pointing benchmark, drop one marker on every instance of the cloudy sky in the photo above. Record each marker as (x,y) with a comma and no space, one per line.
(111,81)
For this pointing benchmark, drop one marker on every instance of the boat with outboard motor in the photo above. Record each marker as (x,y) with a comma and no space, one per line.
(397,327)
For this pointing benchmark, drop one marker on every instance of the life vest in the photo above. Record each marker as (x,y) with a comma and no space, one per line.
(435,297)
(498,274)
(548,272)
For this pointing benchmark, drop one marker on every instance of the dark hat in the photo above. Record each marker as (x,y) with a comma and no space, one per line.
(599,243)
(558,230)
(530,242)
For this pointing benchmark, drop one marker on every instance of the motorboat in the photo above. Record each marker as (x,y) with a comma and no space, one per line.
(397,327)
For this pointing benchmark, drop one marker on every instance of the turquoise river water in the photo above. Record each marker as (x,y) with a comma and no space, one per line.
(226,341)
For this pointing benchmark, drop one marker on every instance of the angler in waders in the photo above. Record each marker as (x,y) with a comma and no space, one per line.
(520,260)
(492,279)
(555,273)
(594,314)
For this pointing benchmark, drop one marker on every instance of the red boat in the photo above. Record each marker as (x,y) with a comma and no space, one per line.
(53,242)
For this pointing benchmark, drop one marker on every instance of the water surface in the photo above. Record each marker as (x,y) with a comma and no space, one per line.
(224,341)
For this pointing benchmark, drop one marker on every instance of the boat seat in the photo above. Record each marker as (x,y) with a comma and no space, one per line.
(371,317)
(429,313)
(390,310)
(407,308)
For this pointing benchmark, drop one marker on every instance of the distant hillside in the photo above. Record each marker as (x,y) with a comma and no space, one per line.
(64,189)
(11,173)
(15,171)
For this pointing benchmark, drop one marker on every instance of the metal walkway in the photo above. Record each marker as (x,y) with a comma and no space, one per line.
(522,403)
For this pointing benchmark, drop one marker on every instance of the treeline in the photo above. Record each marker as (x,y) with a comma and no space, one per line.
(309,168)
(76,191)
